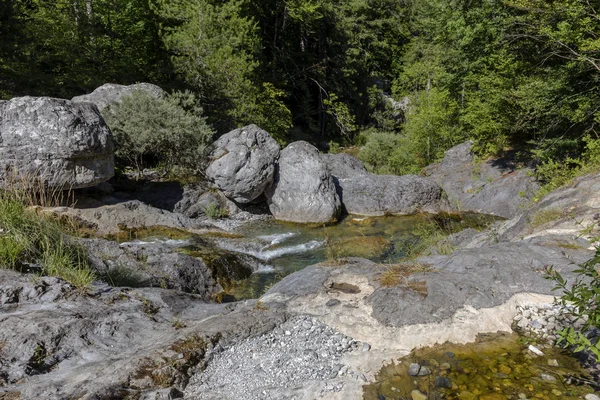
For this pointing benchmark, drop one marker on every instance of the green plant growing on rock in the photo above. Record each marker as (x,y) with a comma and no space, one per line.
(542,217)
(432,238)
(167,132)
(215,211)
(582,299)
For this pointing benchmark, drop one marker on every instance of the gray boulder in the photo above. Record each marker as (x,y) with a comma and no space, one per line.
(61,143)
(197,200)
(377,195)
(303,190)
(495,186)
(243,163)
(110,93)
(343,165)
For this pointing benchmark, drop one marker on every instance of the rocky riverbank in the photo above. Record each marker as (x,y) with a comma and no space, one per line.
(159,325)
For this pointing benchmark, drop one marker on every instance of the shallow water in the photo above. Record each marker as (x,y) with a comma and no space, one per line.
(283,248)
(497,367)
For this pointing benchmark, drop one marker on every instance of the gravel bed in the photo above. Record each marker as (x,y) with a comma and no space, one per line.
(301,350)
(543,321)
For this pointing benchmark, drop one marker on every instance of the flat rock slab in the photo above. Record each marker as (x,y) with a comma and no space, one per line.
(55,142)
(60,343)
(479,278)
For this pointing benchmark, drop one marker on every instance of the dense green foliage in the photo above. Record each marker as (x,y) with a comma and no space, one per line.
(166,132)
(503,73)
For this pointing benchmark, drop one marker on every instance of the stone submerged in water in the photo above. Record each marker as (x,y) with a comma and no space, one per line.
(58,143)
(243,163)
(303,190)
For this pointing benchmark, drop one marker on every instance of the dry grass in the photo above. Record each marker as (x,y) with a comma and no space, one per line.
(398,275)
(542,217)
(31,190)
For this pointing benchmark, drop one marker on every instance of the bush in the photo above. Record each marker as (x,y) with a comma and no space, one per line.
(387,153)
(582,298)
(27,238)
(165,132)
(559,164)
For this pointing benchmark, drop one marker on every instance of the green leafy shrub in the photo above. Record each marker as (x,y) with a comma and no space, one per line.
(582,298)
(28,237)
(387,153)
(561,163)
(165,132)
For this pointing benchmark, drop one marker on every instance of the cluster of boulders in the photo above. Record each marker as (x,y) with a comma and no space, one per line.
(301,185)
(66,144)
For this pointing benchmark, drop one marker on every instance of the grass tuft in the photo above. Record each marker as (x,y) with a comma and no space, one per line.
(27,238)
(544,216)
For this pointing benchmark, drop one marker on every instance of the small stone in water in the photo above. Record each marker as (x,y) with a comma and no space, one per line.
(548,378)
(424,371)
(444,366)
(553,363)
(413,369)
(366,346)
(443,382)
(417,395)
(504,369)
(591,396)
(535,350)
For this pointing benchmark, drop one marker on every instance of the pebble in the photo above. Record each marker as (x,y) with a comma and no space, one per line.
(442,382)
(413,369)
(417,395)
(553,363)
(591,396)
(535,350)
(366,347)
(548,378)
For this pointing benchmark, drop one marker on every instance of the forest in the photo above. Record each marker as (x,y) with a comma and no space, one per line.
(403,79)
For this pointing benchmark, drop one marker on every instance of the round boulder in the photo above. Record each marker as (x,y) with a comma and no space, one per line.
(303,190)
(110,93)
(54,142)
(377,195)
(243,163)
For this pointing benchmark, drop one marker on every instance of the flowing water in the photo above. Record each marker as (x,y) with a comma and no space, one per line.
(280,248)
(283,248)
(497,367)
